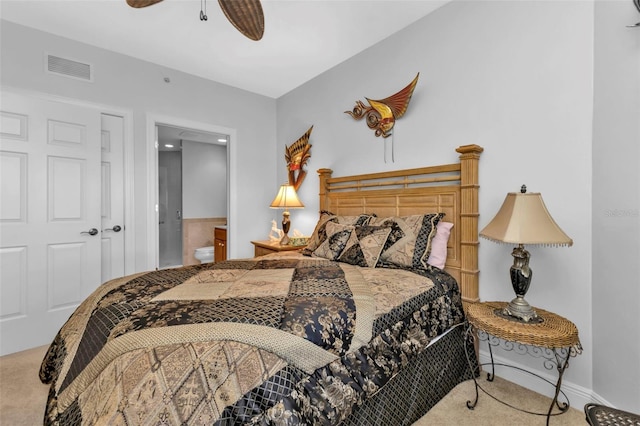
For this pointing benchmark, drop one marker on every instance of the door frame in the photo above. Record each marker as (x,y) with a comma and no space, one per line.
(128,160)
(154,120)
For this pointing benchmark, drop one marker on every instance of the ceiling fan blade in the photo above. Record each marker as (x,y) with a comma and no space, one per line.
(142,3)
(245,15)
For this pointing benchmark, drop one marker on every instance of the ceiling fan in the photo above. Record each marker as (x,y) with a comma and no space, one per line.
(245,15)
(636,3)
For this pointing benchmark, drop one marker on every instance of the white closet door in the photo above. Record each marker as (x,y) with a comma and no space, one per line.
(112,205)
(50,222)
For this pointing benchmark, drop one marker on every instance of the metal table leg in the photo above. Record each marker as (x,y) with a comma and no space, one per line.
(558,358)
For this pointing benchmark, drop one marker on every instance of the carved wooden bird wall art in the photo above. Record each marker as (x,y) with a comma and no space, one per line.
(297,155)
(382,114)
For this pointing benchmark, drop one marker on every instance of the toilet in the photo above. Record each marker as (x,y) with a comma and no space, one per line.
(204,254)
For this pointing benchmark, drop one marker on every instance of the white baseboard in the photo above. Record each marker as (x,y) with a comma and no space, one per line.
(577,395)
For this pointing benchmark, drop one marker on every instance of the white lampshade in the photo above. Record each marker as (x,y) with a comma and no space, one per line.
(524,219)
(286,198)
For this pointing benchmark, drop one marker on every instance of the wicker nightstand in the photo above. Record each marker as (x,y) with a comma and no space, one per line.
(555,339)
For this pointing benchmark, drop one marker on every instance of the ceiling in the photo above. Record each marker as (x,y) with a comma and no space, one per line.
(302,38)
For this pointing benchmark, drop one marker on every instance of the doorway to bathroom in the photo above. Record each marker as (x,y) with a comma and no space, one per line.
(192,192)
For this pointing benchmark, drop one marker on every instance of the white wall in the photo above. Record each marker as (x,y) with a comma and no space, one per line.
(204,180)
(138,86)
(513,77)
(616,205)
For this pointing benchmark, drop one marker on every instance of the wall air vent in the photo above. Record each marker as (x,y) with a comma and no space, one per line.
(69,68)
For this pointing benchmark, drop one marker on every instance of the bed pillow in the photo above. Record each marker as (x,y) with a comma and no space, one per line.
(438,255)
(409,242)
(319,233)
(336,239)
(364,246)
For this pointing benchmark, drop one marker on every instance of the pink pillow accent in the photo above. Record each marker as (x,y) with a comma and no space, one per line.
(438,255)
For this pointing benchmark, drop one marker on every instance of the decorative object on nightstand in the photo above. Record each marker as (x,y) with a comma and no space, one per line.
(298,239)
(286,199)
(261,248)
(275,235)
(523,219)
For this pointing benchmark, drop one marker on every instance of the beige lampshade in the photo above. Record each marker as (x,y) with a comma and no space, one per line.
(524,219)
(286,198)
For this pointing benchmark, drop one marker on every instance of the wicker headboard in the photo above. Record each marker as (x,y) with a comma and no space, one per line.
(449,188)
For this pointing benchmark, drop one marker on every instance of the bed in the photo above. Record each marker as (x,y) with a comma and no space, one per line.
(360,329)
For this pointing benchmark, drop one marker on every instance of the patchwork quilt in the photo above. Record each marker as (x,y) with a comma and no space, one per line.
(287,340)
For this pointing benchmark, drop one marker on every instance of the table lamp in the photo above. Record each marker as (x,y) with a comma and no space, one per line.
(286,199)
(523,219)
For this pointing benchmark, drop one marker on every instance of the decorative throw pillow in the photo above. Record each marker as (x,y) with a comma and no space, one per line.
(438,256)
(337,236)
(409,243)
(319,233)
(365,245)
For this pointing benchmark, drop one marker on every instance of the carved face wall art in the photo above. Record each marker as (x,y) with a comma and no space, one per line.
(297,155)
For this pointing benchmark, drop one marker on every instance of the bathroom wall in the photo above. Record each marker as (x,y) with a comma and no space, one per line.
(204,179)
(198,233)
(204,200)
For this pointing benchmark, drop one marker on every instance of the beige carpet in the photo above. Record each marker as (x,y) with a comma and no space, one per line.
(23,397)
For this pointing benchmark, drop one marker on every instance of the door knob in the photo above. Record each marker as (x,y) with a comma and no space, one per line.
(116,228)
(92,231)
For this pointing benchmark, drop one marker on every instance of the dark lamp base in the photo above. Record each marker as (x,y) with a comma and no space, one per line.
(286,225)
(520,272)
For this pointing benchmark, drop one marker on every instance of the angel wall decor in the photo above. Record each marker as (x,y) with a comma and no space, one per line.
(382,114)
(297,155)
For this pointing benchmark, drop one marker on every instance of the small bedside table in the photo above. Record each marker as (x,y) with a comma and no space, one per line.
(555,339)
(268,247)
